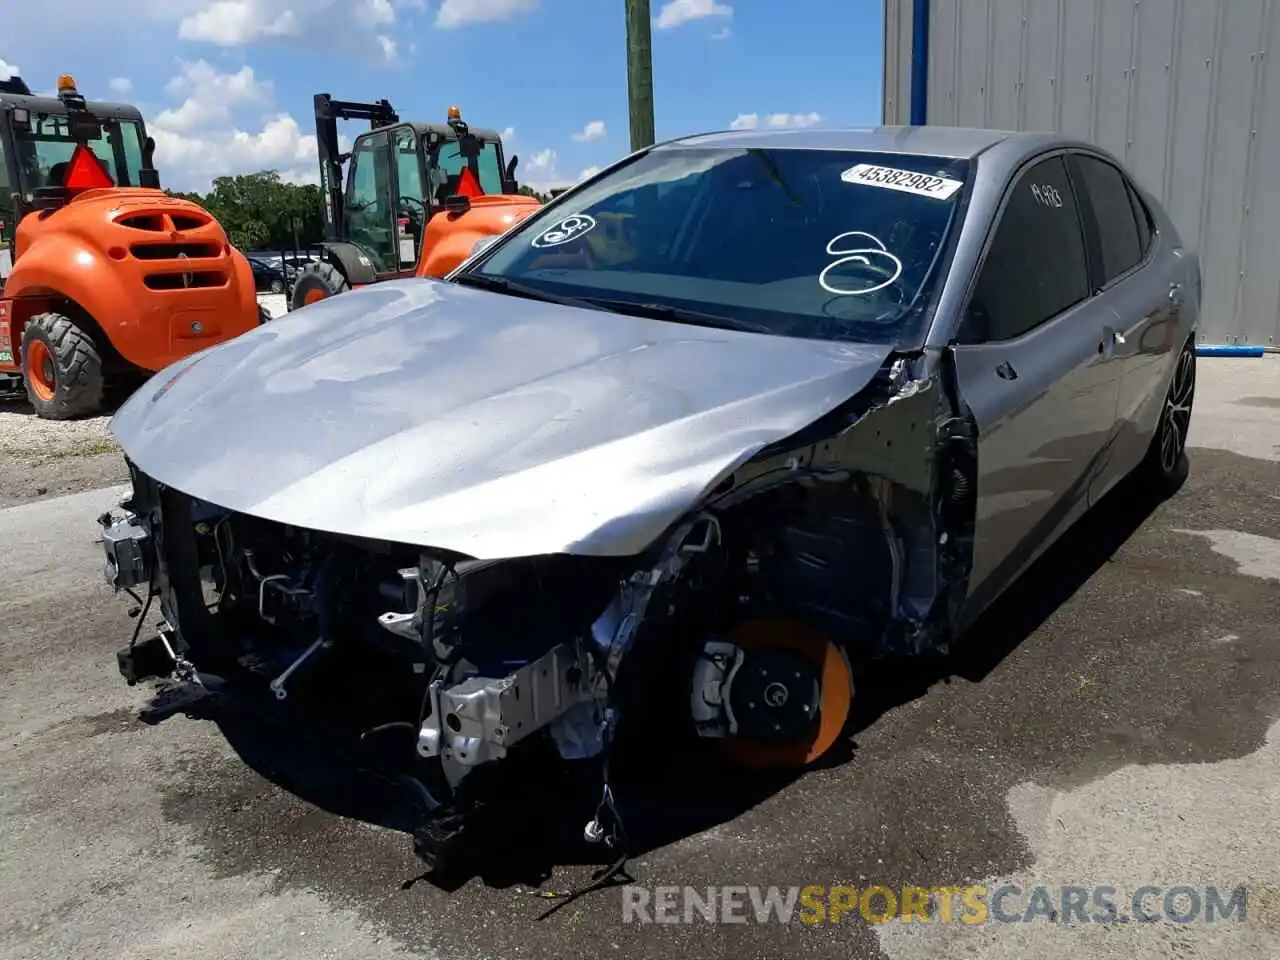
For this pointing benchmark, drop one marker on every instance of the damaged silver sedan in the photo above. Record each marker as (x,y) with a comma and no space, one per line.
(775,402)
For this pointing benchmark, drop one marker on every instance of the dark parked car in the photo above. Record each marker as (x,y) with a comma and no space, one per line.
(757,403)
(267,277)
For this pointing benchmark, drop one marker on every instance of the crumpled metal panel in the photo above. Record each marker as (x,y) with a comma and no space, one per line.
(428,413)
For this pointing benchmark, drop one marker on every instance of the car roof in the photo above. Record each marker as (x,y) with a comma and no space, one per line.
(931,141)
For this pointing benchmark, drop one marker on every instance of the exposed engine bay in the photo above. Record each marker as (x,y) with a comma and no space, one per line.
(850,540)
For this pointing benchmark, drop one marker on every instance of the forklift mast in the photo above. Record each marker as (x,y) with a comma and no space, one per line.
(328,112)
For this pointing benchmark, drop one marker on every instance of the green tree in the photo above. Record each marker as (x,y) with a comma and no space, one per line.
(528,191)
(262,211)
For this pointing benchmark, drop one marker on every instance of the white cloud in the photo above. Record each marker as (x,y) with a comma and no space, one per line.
(541,173)
(508,134)
(592,131)
(455,13)
(355,25)
(8,70)
(197,139)
(192,162)
(722,34)
(677,12)
(753,121)
(120,85)
(587,173)
(209,96)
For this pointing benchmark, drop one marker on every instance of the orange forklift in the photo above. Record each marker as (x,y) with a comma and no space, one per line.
(111,278)
(419,197)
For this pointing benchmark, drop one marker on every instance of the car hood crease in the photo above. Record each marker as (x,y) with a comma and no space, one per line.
(427,413)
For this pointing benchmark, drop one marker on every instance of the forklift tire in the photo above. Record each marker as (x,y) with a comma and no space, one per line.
(264,315)
(61,367)
(315,282)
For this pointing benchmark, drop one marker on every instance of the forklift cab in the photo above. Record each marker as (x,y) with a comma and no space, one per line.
(400,176)
(43,140)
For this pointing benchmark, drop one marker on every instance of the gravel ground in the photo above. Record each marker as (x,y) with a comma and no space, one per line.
(46,458)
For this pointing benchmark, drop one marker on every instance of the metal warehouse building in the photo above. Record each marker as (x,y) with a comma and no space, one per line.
(1186,92)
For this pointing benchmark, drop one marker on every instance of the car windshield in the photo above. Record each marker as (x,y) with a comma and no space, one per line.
(820,244)
(45,146)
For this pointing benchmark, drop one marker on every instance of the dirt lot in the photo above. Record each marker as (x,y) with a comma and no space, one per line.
(43,458)
(1111,722)
(39,458)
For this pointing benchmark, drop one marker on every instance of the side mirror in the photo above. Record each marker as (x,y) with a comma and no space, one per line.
(510,176)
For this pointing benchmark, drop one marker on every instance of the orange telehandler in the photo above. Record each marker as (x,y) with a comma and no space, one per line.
(419,197)
(111,278)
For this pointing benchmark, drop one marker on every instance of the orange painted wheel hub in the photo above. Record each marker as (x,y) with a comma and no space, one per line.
(825,661)
(41,372)
(314,294)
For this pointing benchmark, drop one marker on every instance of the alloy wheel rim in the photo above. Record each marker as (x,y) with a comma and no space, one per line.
(1177,412)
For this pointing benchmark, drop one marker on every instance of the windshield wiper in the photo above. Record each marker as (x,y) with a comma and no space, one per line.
(512,288)
(663,311)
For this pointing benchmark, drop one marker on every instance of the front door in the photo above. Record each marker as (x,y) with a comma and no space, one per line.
(1035,365)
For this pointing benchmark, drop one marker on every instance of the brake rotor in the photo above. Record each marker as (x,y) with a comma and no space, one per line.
(792,695)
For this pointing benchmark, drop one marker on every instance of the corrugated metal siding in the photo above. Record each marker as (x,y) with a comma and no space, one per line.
(1177,88)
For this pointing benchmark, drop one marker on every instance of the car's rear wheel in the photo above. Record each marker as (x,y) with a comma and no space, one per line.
(1166,462)
(791,696)
(315,282)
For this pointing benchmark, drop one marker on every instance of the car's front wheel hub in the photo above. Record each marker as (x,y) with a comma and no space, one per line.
(775,696)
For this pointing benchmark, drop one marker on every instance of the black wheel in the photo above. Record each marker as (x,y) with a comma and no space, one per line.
(315,282)
(264,315)
(62,367)
(1166,461)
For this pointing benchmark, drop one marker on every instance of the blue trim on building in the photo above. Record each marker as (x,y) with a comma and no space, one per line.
(919,62)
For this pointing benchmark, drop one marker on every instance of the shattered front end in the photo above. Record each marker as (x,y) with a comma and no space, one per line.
(848,539)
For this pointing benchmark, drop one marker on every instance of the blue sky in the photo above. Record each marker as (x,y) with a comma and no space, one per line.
(226,85)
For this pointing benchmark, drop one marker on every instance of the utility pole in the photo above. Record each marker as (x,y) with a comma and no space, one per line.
(639,73)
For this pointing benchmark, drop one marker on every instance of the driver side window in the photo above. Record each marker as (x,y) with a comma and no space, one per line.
(1035,267)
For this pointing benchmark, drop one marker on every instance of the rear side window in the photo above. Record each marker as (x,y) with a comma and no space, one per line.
(1143,217)
(1036,266)
(1120,246)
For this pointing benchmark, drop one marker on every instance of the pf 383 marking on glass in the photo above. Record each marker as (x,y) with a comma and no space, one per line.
(908,181)
(1046,195)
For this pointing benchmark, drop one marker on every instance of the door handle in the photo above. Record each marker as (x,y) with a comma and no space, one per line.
(1006,372)
(1110,340)
(1175,294)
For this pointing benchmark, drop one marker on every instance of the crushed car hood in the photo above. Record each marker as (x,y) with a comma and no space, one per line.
(427,413)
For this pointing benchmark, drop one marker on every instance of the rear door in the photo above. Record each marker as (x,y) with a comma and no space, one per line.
(1136,274)
(1034,365)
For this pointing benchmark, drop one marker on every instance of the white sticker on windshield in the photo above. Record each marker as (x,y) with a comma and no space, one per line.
(908,181)
(563,231)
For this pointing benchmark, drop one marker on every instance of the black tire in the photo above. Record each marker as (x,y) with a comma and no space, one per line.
(316,281)
(1166,464)
(264,315)
(71,382)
